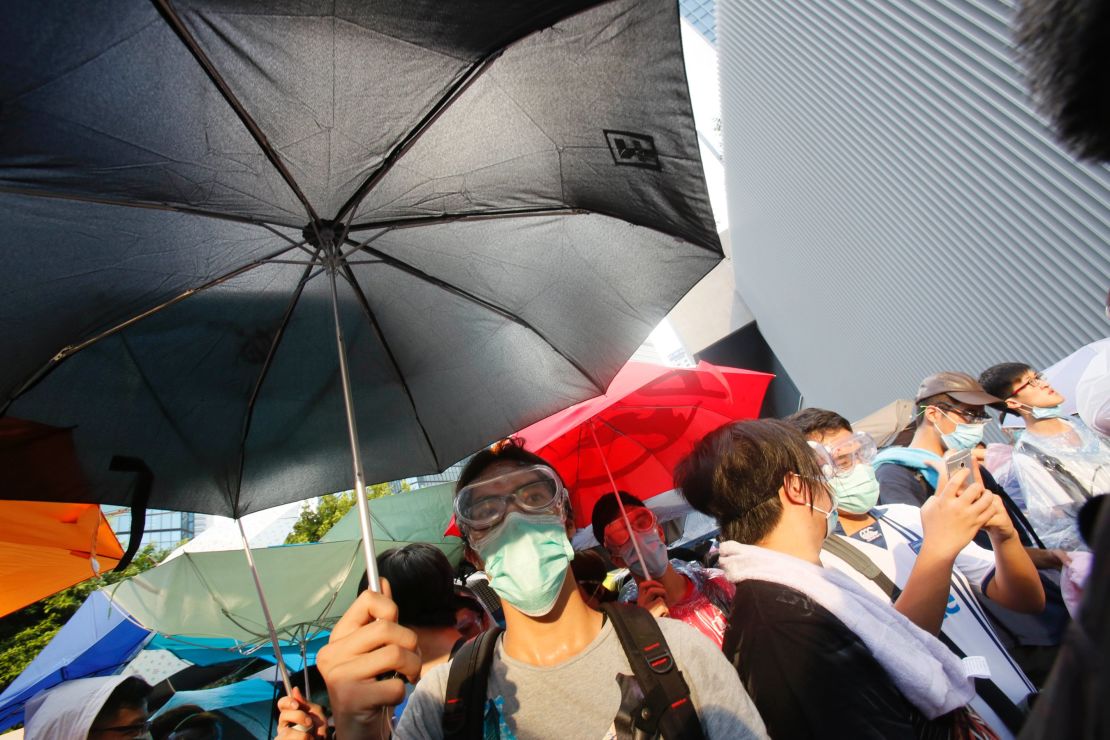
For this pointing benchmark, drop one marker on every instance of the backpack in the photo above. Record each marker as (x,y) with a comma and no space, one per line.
(665,709)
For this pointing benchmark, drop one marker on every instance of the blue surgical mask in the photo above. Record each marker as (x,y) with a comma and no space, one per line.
(1048,412)
(655,555)
(963,437)
(526,558)
(858,491)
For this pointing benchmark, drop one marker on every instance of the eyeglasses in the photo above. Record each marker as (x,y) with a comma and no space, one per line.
(533,490)
(138,730)
(1037,381)
(640,517)
(969,416)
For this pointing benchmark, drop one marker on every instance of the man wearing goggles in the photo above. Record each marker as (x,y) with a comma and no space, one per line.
(689,592)
(1059,462)
(559,668)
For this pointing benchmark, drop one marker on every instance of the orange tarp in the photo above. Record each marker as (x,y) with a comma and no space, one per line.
(46,547)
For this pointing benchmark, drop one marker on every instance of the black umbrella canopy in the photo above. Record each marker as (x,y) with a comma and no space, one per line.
(510,194)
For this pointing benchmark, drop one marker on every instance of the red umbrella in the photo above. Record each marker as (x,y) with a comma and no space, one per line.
(632,437)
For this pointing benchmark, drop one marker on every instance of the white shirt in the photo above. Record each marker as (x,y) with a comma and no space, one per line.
(892,543)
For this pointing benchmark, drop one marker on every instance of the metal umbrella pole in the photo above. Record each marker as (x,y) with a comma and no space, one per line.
(266,612)
(620,504)
(333,259)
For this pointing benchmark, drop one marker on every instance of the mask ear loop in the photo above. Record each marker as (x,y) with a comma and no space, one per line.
(620,504)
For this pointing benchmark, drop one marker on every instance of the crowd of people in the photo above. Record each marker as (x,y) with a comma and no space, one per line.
(920,591)
(853,592)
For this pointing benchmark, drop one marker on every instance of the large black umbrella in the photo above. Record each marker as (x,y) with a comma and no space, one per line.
(491,202)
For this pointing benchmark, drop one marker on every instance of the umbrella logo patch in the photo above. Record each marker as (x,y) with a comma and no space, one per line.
(634,150)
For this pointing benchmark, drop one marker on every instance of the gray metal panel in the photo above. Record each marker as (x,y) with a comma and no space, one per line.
(896,206)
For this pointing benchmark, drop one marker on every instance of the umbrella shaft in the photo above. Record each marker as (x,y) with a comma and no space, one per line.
(266,612)
(352,433)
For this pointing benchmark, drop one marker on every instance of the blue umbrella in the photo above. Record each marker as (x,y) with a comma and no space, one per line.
(96,641)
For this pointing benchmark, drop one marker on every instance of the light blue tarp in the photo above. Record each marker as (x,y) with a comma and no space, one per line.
(247,702)
(96,641)
(212,650)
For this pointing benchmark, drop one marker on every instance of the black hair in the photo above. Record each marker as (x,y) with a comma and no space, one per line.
(606,510)
(734,475)
(423,585)
(814,421)
(132,693)
(998,380)
(165,723)
(199,726)
(507,450)
(589,565)
(1062,44)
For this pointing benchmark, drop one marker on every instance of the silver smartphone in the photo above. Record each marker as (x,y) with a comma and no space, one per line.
(958,460)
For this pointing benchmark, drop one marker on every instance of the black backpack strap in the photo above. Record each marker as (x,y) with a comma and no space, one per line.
(465,701)
(1012,716)
(840,547)
(667,710)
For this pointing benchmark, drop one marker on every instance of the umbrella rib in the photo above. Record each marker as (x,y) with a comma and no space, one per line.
(401,223)
(178,26)
(455,290)
(349,276)
(72,349)
(453,92)
(54,195)
(266,364)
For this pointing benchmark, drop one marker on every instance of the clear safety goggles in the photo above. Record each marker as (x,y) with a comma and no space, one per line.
(847,453)
(533,490)
(617,534)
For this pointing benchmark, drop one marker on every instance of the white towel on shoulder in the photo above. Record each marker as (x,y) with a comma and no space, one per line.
(927,673)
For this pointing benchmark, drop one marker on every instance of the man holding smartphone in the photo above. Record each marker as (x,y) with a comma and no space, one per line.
(951,415)
(927,554)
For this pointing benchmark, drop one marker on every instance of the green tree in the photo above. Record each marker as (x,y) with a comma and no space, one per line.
(315,523)
(24,633)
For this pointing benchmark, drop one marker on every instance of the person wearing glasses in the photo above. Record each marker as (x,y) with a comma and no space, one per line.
(686,591)
(559,668)
(1058,462)
(106,708)
(929,559)
(951,416)
(821,656)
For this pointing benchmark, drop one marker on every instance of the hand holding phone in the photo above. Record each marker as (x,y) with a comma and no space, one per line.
(957,460)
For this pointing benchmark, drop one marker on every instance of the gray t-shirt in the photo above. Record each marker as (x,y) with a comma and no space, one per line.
(580,697)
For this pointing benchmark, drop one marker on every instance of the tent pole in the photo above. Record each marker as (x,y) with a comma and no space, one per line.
(266,611)
(352,433)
